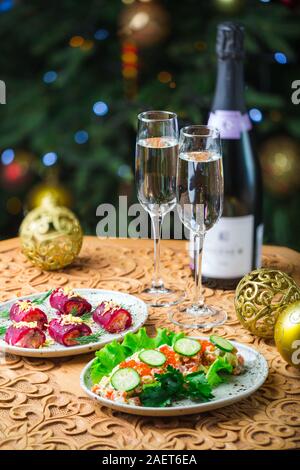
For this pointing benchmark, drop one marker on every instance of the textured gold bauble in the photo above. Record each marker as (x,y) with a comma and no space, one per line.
(287,334)
(280,163)
(48,193)
(51,237)
(260,296)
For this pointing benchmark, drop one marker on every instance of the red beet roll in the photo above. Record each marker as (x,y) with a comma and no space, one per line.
(67,302)
(26,311)
(112,318)
(65,334)
(25,336)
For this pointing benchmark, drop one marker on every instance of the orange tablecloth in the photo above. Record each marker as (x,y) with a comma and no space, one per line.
(43,407)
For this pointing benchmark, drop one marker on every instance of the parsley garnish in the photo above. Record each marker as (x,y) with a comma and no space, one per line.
(174,385)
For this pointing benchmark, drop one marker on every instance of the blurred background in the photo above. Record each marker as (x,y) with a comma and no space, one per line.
(78,72)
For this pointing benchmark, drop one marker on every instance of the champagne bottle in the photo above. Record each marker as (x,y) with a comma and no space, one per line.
(232,247)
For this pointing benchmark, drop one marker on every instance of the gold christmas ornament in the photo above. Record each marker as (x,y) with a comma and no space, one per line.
(280,163)
(51,237)
(287,334)
(260,296)
(49,194)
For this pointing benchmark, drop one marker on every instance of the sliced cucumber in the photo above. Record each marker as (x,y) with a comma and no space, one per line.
(221,343)
(152,357)
(125,379)
(187,346)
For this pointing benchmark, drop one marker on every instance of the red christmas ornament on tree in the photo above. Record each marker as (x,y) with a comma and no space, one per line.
(291,3)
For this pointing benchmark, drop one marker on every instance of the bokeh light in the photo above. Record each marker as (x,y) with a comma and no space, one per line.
(50,76)
(7,156)
(87,45)
(6,5)
(124,171)
(81,137)
(164,77)
(49,158)
(101,34)
(255,115)
(280,58)
(100,108)
(76,41)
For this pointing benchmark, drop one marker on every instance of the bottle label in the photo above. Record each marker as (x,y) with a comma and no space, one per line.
(259,242)
(230,123)
(228,248)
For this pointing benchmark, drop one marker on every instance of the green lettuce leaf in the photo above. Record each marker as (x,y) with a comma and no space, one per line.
(113,353)
(220,364)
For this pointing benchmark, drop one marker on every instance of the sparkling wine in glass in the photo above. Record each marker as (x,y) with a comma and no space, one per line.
(155,171)
(199,197)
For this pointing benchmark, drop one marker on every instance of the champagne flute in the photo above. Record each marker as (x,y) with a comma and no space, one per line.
(155,172)
(199,197)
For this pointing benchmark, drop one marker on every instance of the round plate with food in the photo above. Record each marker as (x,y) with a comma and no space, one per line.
(67,322)
(172,374)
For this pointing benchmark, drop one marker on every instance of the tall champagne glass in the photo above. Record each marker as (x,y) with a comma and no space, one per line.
(199,196)
(155,171)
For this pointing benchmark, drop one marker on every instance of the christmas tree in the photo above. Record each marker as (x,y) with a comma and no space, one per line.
(77,73)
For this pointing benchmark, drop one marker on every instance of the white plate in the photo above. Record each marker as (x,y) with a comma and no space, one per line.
(237,388)
(136,307)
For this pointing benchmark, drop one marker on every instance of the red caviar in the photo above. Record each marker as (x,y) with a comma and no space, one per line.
(170,355)
(205,344)
(142,369)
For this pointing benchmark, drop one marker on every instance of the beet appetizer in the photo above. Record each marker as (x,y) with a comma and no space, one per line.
(112,317)
(26,311)
(66,301)
(67,328)
(25,335)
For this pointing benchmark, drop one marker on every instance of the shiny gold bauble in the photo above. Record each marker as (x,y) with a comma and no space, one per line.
(51,237)
(260,296)
(280,163)
(144,23)
(287,334)
(49,193)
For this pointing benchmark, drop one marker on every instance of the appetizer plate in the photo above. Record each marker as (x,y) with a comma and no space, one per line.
(237,388)
(134,305)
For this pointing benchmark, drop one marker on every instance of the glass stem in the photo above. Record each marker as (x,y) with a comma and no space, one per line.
(198,300)
(157,282)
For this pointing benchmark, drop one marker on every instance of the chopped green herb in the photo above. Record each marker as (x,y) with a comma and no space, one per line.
(88,339)
(174,385)
(73,311)
(86,316)
(2,330)
(41,300)
(4,314)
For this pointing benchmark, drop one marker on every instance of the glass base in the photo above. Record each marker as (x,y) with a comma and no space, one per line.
(161,296)
(198,317)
